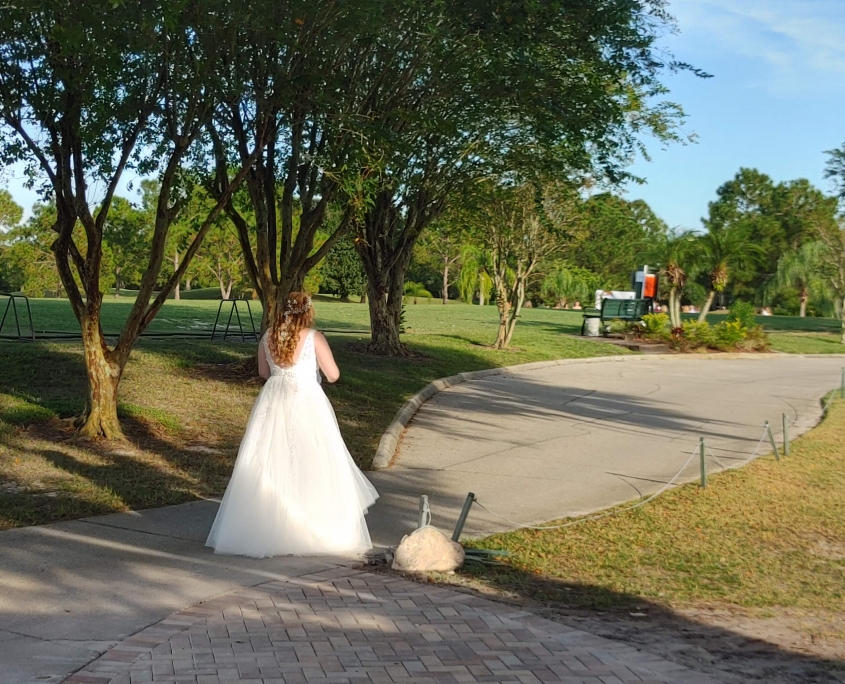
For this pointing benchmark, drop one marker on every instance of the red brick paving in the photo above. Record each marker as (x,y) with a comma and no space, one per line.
(346,626)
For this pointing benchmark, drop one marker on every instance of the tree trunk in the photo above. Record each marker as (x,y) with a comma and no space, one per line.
(188,283)
(706,308)
(363,298)
(503,303)
(673,316)
(175,267)
(516,308)
(480,296)
(842,320)
(385,320)
(100,419)
(225,291)
(805,296)
(445,292)
(117,282)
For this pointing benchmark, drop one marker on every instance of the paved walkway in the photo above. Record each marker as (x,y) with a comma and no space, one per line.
(532,445)
(345,626)
(541,444)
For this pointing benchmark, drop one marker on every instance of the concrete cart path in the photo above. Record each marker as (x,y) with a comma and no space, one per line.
(533,445)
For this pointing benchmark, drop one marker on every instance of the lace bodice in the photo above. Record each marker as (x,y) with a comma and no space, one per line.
(305,367)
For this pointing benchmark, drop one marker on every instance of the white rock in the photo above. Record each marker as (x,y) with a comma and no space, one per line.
(428,550)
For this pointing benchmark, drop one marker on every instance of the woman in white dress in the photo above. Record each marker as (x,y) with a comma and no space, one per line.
(295,488)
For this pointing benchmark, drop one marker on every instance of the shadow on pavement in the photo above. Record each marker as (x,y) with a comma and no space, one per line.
(725,643)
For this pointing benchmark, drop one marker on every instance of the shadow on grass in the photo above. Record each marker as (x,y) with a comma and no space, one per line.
(719,641)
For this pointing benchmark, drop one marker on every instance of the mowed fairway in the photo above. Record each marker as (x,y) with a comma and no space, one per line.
(184,402)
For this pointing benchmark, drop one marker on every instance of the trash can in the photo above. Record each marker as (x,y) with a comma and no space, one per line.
(592,327)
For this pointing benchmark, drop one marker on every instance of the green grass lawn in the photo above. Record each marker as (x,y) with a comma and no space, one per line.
(770,535)
(184,403)
(781,323)
(807,343)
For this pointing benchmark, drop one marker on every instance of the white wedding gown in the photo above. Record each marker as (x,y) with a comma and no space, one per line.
(295,488)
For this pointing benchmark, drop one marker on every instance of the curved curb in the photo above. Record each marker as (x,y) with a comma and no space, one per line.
(389,441)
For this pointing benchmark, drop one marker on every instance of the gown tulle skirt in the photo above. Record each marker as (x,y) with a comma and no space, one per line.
(295,488)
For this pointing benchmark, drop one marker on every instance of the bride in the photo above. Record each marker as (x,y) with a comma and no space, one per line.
(295,488)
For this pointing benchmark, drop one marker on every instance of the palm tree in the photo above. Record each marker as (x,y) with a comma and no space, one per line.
(675,252)
(473,276)
(565,283)
(723,250)
(803,270)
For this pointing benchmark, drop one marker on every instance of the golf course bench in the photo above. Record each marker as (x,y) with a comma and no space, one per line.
(617,310)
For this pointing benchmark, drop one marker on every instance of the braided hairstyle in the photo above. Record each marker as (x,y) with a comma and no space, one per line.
(293,315)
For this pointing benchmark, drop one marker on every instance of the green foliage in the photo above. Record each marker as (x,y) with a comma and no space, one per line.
(610,236)
(11,213)
(565,282)
(695,334)
(341,271)
(742,313)
(413,289)
(656,325)
(775,218)
(695,293)
(126,235)
(727,336)
(27,263)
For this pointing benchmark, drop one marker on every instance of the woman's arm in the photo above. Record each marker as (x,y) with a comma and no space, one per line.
(325,358)
(263,366)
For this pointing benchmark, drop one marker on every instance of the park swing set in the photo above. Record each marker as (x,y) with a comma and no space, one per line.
(17,311)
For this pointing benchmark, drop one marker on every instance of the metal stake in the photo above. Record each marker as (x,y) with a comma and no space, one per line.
(772,440)
(785,435)
(701,453)
(424,511)
(462,518)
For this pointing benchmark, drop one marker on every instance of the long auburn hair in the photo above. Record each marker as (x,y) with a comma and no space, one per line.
(293,315)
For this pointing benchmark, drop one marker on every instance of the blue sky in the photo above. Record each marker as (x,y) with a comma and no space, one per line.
(776,102)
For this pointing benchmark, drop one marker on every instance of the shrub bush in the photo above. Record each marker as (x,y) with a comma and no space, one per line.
(656,326)
(696,335)
(742,313)
(728,335)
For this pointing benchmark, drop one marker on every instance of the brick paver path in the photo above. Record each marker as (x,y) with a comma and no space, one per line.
(345,625)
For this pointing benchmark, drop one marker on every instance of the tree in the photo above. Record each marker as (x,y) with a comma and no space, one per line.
(509,226)
(28,261)
(341,271)
(564,283)
(443,242)
(11,212)
(484,90)
(803,270)
(674,253)
(306,80)
(126,239)
(832,258)
(222,258)
(10,216)
(610,235)
(775,217)
(473,276)
(87,91)
(722,251)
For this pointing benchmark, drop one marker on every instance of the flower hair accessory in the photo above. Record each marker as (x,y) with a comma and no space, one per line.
(292,307)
